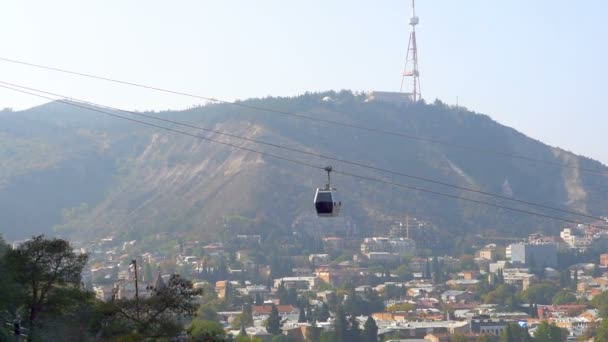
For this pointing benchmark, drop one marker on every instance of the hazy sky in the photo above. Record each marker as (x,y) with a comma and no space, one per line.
(539,66)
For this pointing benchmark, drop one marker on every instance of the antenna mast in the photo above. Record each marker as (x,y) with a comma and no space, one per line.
(411,59)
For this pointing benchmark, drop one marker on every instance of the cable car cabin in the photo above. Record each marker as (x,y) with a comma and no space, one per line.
(326,203)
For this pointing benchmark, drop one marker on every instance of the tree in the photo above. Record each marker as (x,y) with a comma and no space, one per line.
(12,294)
(207,312)
(564,297)
(341,325)
(273,324)
(156,315)
(328,336)
(564,279)
(302,315)
(309,315)
(206,331)
(323,313)
(282,294)
(602,331)
(503,295)
(258,299)
(550,333)
(514,333)
(247,315)
(282,338)
(600,302)
(370,330)
(404,307)
(459,338)
(148,273)
(353,334)
(42,266)
(596,273)
(485,338)
(539,293)
(292,296)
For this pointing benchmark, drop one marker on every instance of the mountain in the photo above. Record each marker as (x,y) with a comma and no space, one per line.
(70,171)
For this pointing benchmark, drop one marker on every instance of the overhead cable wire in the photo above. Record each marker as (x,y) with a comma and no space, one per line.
(318,155)
(275,156)
(311,118)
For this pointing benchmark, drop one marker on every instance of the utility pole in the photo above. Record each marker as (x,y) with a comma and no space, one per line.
(134,263)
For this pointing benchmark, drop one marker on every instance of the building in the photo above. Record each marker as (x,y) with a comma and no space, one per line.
(299,283)
(576,241)
(518,277)
(389,97)
(222,287)
(411,329)
(258,290)
(533,254)
(338,275)
(333,244)
(486,253)
(604,259)
(104,293)
(318,259)
(382,257)
(455,296)
(487,325)
(396,245)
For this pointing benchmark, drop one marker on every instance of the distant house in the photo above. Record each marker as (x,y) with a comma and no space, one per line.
(261,310)
(533,254)
(299,283)
(455,296)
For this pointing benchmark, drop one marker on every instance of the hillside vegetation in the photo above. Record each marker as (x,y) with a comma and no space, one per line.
(84,174)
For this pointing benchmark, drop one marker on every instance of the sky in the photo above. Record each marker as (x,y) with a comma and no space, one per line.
(538,66)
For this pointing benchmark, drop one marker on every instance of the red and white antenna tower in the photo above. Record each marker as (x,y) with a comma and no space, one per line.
(411,60)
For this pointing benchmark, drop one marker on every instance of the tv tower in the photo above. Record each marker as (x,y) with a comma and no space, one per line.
(411,60)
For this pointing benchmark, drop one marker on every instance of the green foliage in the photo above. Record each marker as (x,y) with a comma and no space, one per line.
(503,295)
(282,338)
(401,307)
(206,331)
(329,336)
(154,316)
(600,302)
(341,325)
(515,333)
(47,270)
(364,304)
(370,330)
(322,313)
(273,323)
(247,315)
(248,339)
(486,338)
(207,312)
(602,331)
(539,293)
(564,297)
(550,333)
(302,314)
(459,338)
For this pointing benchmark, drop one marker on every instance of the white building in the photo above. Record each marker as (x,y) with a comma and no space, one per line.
(391,245)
